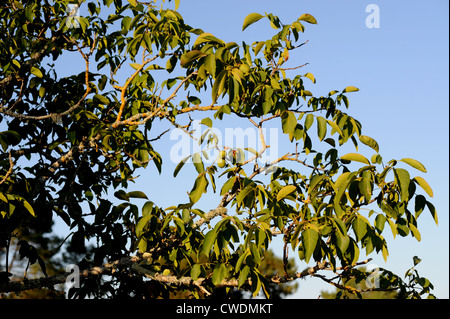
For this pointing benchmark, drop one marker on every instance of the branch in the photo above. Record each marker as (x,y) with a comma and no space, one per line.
(9,172)
(124,88)
(55,116)
(210,215)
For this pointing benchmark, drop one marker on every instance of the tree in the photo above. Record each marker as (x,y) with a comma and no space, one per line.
(71,141)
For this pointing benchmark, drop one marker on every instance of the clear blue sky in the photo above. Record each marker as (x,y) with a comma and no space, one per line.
(401,69)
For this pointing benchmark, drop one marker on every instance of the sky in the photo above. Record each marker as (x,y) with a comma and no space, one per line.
(401,69)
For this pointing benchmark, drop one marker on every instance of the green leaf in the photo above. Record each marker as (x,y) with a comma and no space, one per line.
(137,194)
(309,239)
(309,121)
(207,37)
(101,99)
(135,66)
(35,71)
(416,260)
(206,121)
(141,224)
(250,19)
(142,245)
(342,241)
(177,4)
(342,180)
(180,165)
(198,163)
(133,2)
(121,194)
(208,242)
(369,142)
(355,157)
(415,231)
(243,276)
(219,85)
(310,76)
(288,122)
(210,64)
(247,189)
(199,188)
(414,163)
(340,226)
(28,208)
(220,273)
(422,183)
(380,221)
(365,187)
(433,212)
(350,89)
(359,227)
(189,57)
(285,191)
(321,127)
(314,181)
(307,18)
(335,127)
(196,270)
(403,179)
(227,185)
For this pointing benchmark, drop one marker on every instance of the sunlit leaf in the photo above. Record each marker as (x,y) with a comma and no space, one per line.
(285,191)
(250,19)
(422,183)
(414,163)
(369,142)
(355,157)
(350,89)
(307,18)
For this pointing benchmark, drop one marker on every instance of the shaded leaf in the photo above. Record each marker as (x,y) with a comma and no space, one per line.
(227,185)
(309,239)
(137,194)
(189,57)
(208,242)
(403,179)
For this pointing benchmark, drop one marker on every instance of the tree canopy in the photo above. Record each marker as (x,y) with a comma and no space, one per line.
(71,145)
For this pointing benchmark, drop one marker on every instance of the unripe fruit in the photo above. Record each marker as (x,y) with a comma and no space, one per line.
(221,159)
(244,68)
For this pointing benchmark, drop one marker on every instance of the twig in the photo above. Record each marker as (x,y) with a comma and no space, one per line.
(10,170)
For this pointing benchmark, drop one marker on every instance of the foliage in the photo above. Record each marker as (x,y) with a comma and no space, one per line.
(70,141)
(389,285)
